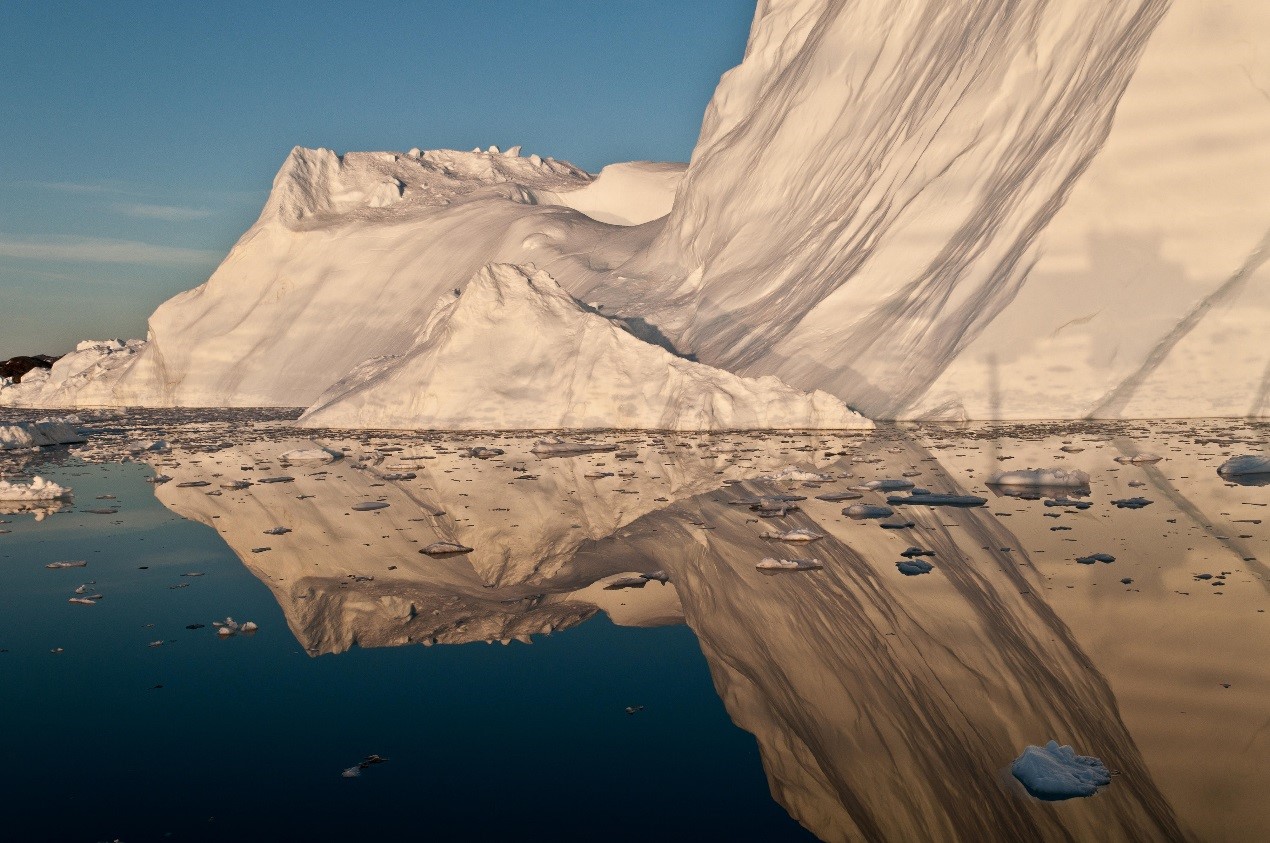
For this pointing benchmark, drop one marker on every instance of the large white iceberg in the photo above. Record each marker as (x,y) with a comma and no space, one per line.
(928,208)
(515,351)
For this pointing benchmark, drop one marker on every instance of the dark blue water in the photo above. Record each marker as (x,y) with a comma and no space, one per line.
(247,737)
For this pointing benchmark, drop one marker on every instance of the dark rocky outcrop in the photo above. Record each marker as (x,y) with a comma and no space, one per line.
(15,367)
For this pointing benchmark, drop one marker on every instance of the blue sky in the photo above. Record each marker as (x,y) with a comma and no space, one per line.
(139,139)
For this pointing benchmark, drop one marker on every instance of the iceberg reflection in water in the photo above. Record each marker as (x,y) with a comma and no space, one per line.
(884,706)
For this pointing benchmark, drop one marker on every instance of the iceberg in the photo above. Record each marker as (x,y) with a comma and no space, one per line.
(38,489)
(38,434)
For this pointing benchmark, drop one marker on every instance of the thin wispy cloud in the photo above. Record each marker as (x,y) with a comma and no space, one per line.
(76,187)
(171,213)
(101,250)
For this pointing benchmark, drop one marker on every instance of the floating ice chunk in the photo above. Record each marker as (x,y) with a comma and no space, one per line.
(1244,466)
(834,497)
(280,479)
(1145,458)
(368,506)
(445,548)
(482,453)
(861,511)
(1096,557)
(1047,477)
(1132,503)
(800,535)
(770,564)
(277,531)
(192,484)
(887,485)
(914,567)
(78,563)
(1056,772)
(39,434)
(311,455)
(38,489)
(235,485)
(558,447)
(627,582)
(82,601)
(928,499)
(142,446)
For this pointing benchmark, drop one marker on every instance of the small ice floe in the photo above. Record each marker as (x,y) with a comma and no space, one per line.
(835,497)
(924,498)
(597,475)
(861,511)
(280,479)
(230,627)
(627,582)
(658,576)
(1069,502)
(1132,503)
(896,525)
(445,548)
(887,485)
(802,534)
(1071,449)
(158,479)
(1246,470)
(235,485)
(914,567)
(1096,557)
(1144,458)
(1046,477)
(634,709)
(399,475)
(794,474)
(83,601)
(311,455)
(143,446)
(38,489)
(77,563)
(193,484)
(277,531)
(483,453)
(558,447)
(916,552)
(39,434)
(626,455)
(778,565)
(356,770)
(369,506)
(1056,772)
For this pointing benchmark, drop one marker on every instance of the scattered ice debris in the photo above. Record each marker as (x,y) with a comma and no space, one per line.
(235,485)
(399,475)
(158,479)
(261,549)
(83,601)
(887,485)
(311,455)
(1056,772)
(558,447)
(230,627)
(794,474)
(158,643)
(195,625)
(597,475)
(356,770)
(659,576)
(1144,458)
(1127,581)
(38,489)
(1096,557)
(147,446)
(1132,503)
(913,567)
(802,534)
(369,506)
(634,709)
(193,484)
(1071,449)
(924,498)
(915,552)
(1069,502)
(896,525)
(770,564)
(277,531)
(445,548)
(482,453)
(1047,477)
(280,479)
(862,511)
(834,497)
(78,563)
(39,434)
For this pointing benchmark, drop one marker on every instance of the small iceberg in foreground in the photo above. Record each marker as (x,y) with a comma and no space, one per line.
(39,434)
(1246,470)
(1056,772)
(38,489)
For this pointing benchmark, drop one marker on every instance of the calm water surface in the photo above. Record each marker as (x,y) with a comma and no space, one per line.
(847,703)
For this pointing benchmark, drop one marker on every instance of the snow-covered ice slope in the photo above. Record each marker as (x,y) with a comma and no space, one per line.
(929,208)
(515,351)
